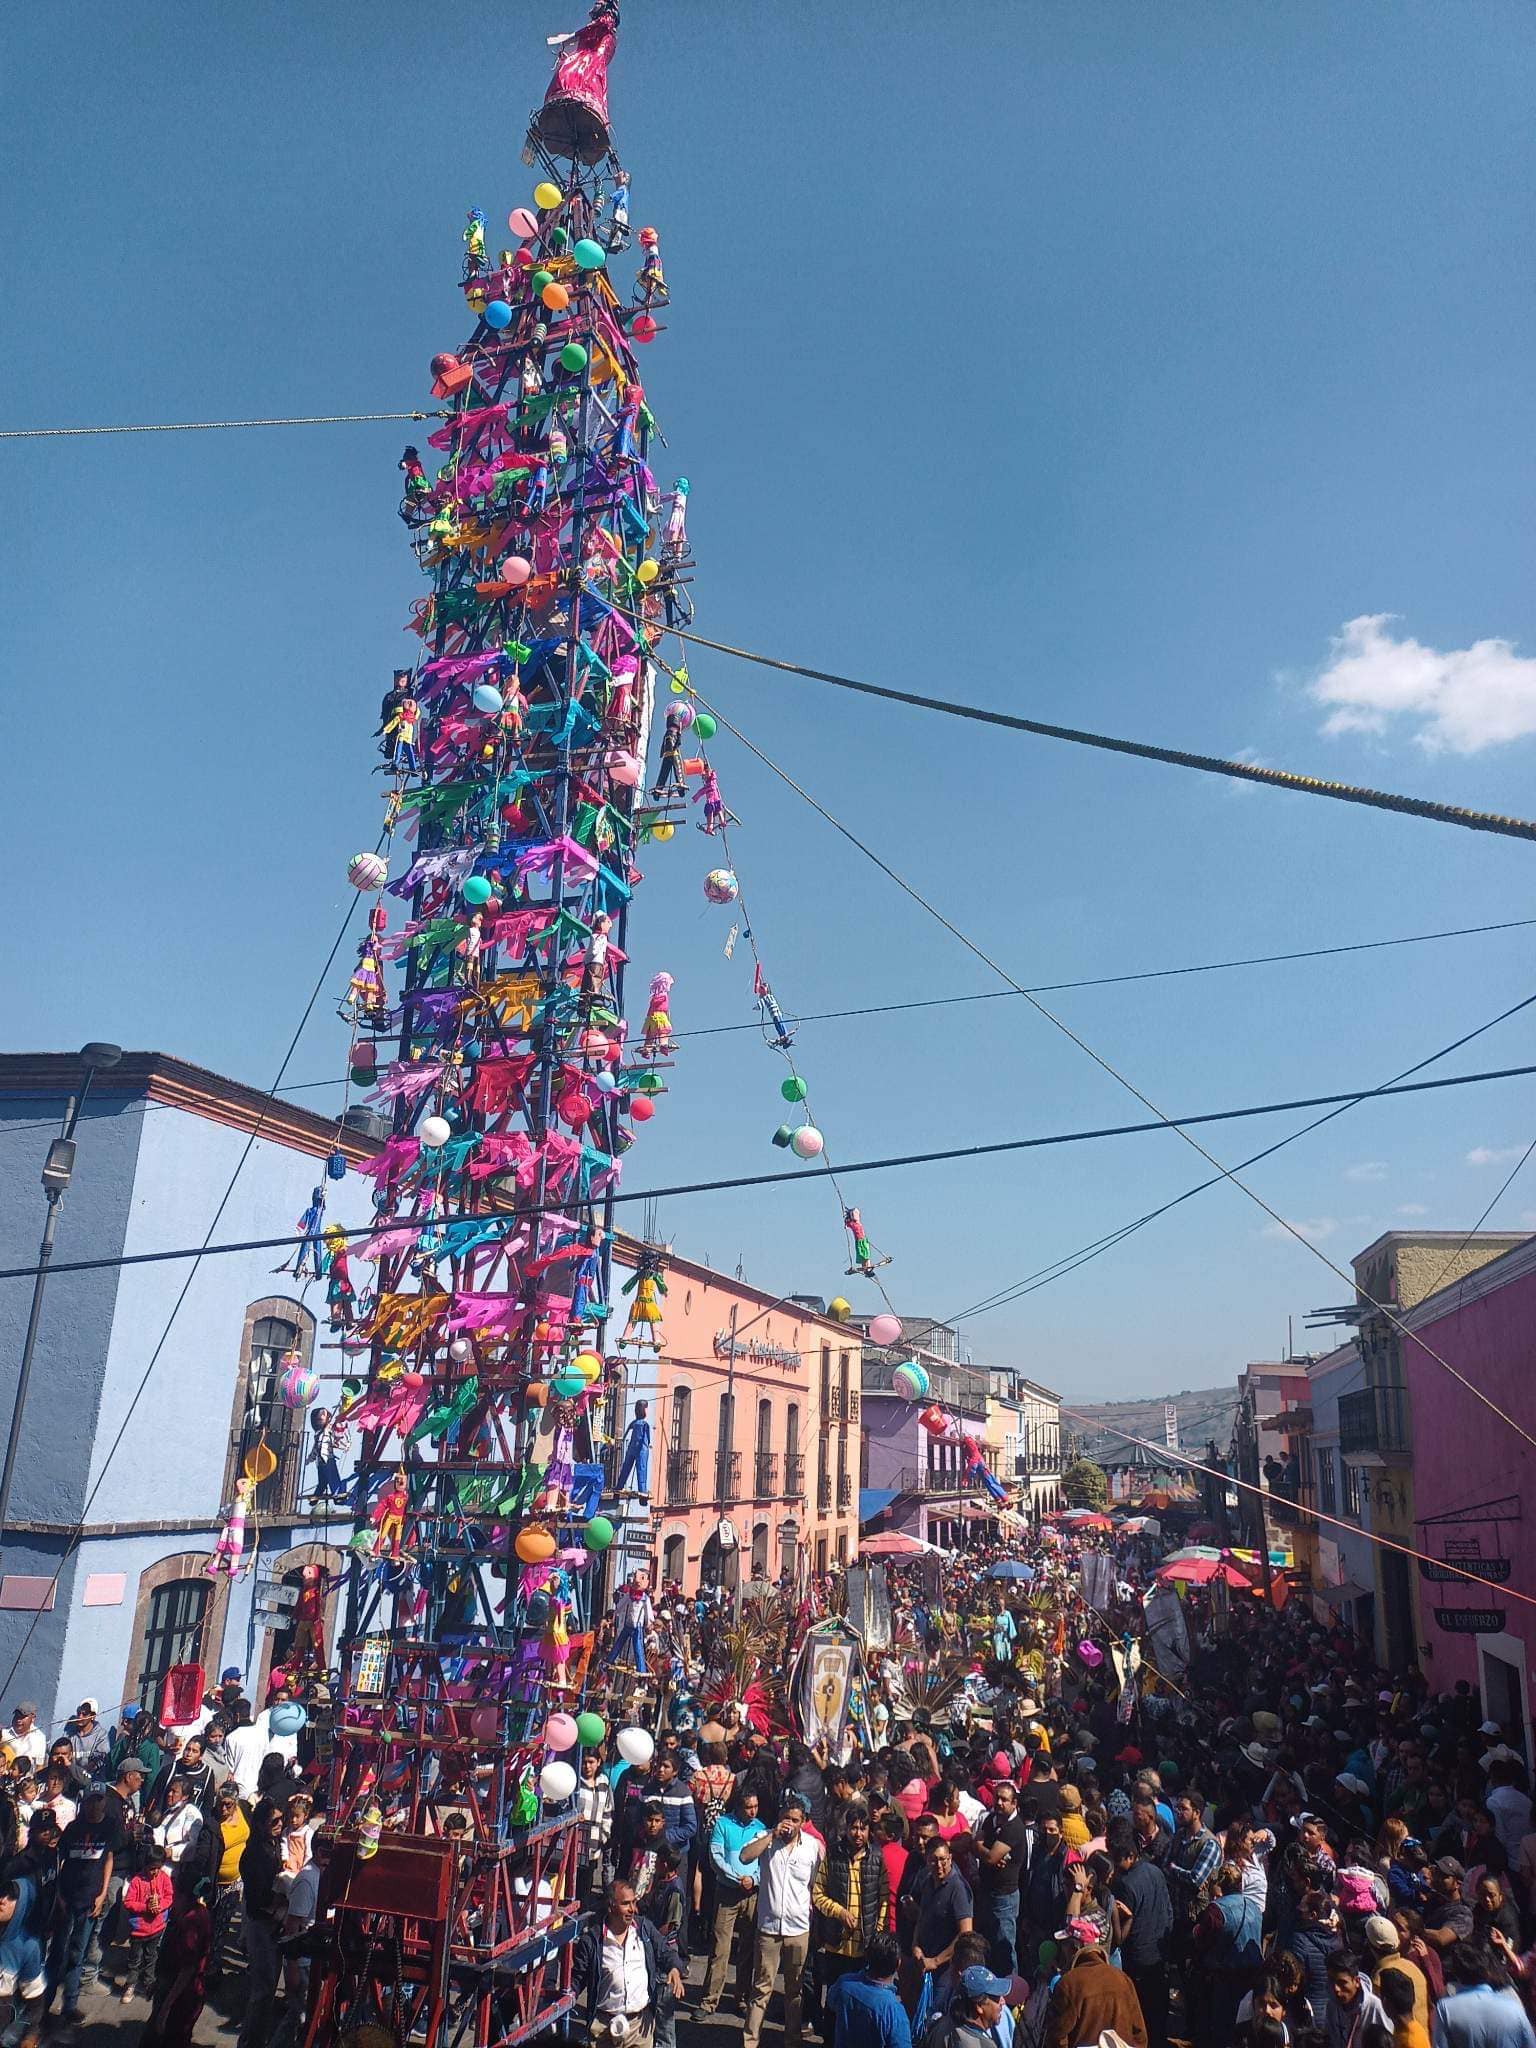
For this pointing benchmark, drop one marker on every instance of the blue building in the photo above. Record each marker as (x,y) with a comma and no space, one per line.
(143,1405)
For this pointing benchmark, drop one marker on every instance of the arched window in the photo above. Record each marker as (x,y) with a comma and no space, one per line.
(265,1437)
(760,1551)
(674,1559)
(179,1617)
(765,1477)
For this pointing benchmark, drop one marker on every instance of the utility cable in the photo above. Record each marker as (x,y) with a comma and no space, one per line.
(1108,1067)
(807,1173)
(330,419)
(1176,757)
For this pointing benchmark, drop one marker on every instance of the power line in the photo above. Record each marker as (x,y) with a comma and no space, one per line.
(811,1173)
(1175,757)
(331,419)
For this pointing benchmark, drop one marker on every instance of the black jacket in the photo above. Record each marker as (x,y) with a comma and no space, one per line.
(587,1964)
(874,1897)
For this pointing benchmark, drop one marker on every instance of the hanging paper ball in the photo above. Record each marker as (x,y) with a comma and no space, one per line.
(647,572)
(595,1044)
(636,1746)
(806,1142)
(557,1781)
(546,195)
(367,871)
(487,698)
(589,255)
(705,726)
(721,886)
(643,328)
(555,296)
(497,314)
(792,1090)
(460,1349)
(534,1546)
(641,1110)
(298,1386)
(567,1385)
(476,889)
(559,1732)
(598,1533)
(839,1309)
(524,225)
(685,715)
(573,357)
(516,569)
(663,832)
(911,1380)
(434,1131)
(885,1330)
(588,1364)
(590,1730)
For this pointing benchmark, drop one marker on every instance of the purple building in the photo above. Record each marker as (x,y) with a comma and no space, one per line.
(909,1479)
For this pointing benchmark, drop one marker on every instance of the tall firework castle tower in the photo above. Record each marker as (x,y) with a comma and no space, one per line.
(487,1380)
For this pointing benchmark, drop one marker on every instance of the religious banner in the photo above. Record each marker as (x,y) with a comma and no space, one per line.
(1168,1632)
(821,1683)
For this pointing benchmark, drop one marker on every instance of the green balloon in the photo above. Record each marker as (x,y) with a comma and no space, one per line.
(568,1384)
(705,727)
(648,1084)
(542,278)
(573,356)
(590,1730)
(598,1533)
(792,1090)
(558,240)
(477,890)
(589,255)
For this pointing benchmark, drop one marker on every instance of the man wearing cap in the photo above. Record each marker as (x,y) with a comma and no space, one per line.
(1090,1997)
(1383,1955)
(87,1741)
(134,1735)
(866,2011)
(1447,1916)
(973,2015)
(24,1737)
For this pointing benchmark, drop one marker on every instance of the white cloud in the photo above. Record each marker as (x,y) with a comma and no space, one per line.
(1414,1209)
(1314,1228)
(1494,1155)
(1463,699)
(1367,1169)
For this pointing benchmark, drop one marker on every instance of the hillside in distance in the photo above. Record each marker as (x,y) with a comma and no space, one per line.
(1203,1414)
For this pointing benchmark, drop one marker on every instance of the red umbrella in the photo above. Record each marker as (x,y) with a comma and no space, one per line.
(1200,1571)
(892,1543)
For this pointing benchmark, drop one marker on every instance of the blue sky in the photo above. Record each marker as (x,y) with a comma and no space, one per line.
(1096,363)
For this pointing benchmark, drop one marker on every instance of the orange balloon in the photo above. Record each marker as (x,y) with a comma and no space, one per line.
(534,1546)
(556,297)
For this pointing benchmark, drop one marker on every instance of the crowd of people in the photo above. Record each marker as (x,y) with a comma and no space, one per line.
(1286,1845)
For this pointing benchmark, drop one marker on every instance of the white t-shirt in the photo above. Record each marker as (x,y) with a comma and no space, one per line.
(247,1746)
(784,1889)
(1511,1811)
(33,1745)
(624,1988)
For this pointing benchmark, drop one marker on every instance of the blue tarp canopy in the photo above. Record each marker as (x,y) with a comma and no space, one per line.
(874,1500)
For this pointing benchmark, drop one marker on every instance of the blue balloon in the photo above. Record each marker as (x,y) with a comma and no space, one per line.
(498,314)
(487,698)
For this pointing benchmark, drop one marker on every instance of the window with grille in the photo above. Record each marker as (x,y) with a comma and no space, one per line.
(1325,1495)
(173,1631)
(267,1426)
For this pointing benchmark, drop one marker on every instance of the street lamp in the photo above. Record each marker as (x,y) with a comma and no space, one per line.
(58,1170)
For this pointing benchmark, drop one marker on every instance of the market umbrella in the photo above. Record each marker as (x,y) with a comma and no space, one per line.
(892,1543)
(1090,1520)
(1142,1525)
(1202,1571)
(1190,1552)
(1010,1568)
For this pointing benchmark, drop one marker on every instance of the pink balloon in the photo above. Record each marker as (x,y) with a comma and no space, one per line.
(516,569)
(625,768)
(560,1732)
(524,225)
(884,1330)
(484,1723)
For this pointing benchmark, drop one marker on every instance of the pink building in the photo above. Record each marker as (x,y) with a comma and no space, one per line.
(1470,1472)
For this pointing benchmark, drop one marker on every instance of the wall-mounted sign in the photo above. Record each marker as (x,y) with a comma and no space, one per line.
(757,1349)
(1470,1621)
(1493,1571)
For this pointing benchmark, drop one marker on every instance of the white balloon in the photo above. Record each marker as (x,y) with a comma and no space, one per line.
(637,1746)
(460,1349)
(557,1781)
(434,1131)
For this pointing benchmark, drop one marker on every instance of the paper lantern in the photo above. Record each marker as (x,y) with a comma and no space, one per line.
(636,1746)
(587,1364)
(806,1142)
(434,1132)
(589,255)
(590,1730)
(839,1309)
(516,569)
(497,314)
(642,1110)
(477,889)
(721,886)
(647,572)
(705,726)
(598,1533)
(911,1380)
(556,297)
(604,1082)
(573,357)
(546,195)
(643,328)
(557,1781)
(524,225)
(298,1386)
(487,698)
(884,1330)
(560,1732)
(367,871)
(792,1090)
(534,1545)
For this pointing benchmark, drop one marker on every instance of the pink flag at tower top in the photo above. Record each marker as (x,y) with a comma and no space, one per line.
(573,120)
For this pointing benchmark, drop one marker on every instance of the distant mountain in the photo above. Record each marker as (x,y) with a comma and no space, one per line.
(1203,1414)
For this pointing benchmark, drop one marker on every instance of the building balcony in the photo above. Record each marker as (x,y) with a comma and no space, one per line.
(831,1405)
(932,1480)
(1036,1462)
(851,1406)
(844,1490)
(682,1478)
(765,1475)
(824,1495)
(727,1477)
(1373,1424)
(794,1475)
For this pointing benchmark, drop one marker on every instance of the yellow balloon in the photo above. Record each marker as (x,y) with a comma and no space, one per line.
(647,572)
(663,833)
(588,1364)
(546,195)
